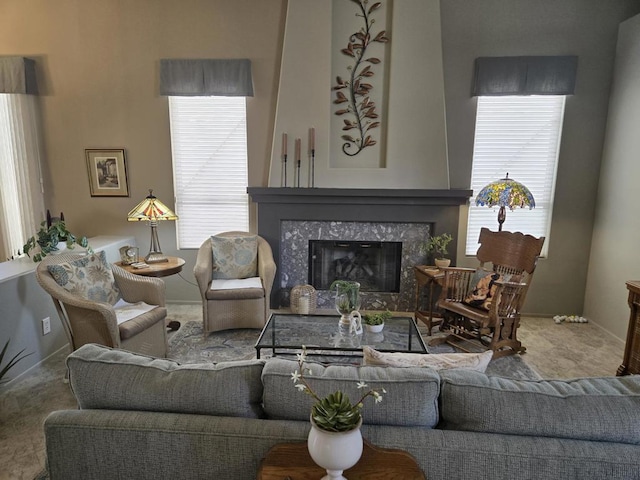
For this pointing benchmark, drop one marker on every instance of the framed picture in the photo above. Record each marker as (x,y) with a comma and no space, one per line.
(107,173)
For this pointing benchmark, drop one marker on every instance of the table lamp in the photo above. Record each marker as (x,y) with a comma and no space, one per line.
(152,210)
(504,193)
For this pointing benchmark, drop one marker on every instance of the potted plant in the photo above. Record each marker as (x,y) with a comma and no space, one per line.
(374,322)
(335,441)
(15,359)
(53,238)
(347,298)
(436,245)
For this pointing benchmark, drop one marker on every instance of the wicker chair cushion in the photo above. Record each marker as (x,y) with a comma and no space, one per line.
(89,277)
(235,257)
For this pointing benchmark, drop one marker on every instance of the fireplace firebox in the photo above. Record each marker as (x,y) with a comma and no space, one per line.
(375,265)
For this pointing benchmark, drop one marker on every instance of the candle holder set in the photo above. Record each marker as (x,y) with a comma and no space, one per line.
(297,160)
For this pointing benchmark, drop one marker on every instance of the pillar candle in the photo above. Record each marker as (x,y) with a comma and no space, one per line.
(298,142)
(312,139)
(284,144)
(303,305)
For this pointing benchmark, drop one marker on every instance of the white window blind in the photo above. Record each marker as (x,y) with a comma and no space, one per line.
(518,135)
(209,147)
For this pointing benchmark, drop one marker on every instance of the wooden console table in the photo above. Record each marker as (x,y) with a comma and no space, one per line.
(631,362)
(427,276)
(291,461)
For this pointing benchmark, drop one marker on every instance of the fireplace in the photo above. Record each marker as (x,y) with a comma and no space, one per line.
(288,218)
(374,265)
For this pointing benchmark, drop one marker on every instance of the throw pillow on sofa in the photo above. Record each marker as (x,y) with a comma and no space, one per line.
(411,398)
(603,409)
(470,361)
(106,378)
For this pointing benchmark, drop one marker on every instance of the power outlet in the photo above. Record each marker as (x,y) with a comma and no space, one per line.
(46,326)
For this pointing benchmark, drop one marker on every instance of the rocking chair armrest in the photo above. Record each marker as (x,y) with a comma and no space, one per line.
(508,299)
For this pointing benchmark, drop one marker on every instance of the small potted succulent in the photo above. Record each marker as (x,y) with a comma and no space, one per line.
(436,245)
(374,322)
(52,238)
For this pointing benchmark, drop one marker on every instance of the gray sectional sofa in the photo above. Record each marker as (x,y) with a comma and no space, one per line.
(146,418)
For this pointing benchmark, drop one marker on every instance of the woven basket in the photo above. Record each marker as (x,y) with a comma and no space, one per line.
(297,305)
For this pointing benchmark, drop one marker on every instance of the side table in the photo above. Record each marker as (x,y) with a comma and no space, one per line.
(427,276)
(162,269)
(631,361)
(291,461)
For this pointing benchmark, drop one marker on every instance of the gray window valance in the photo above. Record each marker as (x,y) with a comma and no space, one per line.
(206,77)
(525,75)
(18,75)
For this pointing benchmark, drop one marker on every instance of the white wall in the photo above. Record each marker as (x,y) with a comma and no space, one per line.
(615,252)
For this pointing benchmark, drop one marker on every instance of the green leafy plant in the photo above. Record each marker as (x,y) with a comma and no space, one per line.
(48,237)
(335,412)
(15,359)
(347,295)
(357,104)
(376,318)
(437,245)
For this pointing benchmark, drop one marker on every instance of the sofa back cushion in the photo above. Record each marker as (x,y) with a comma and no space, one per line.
(600,409)
(106,378)
(411,398)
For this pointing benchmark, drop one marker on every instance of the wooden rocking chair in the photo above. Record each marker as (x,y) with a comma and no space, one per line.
(481,307)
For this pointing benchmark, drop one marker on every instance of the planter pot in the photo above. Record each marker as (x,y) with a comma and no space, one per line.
(442,262)
(335,451)
(374,328)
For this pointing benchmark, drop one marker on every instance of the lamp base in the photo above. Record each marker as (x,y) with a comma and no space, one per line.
(156,257)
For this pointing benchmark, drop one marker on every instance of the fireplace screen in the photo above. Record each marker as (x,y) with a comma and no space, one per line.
(375,265)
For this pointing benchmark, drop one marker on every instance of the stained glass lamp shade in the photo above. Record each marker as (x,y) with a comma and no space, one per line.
(152,210)
(505,193)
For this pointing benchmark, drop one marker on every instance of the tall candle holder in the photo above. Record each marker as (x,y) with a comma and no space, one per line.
(313,162)
(284,170)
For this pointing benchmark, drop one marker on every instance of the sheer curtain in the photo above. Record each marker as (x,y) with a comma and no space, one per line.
(21,195)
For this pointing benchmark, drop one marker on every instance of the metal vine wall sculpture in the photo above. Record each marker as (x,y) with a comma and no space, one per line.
(359,106)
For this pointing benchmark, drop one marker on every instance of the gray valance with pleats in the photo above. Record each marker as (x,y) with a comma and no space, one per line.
(18,75)
(206,77)
(550,75)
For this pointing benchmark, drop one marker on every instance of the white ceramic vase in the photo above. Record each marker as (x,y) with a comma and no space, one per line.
(335,451)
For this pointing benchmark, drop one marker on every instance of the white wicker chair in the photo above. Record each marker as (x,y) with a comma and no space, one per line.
(87,321)
(234,308)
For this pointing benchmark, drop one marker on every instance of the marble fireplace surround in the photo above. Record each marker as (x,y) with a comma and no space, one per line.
(289,217)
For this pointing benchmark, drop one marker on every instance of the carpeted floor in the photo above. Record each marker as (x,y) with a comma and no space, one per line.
(188,345)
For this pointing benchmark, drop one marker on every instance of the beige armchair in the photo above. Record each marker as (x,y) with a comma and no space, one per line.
(89,321)
(241,306)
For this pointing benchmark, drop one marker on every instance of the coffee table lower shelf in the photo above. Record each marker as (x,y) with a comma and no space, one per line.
(291,461)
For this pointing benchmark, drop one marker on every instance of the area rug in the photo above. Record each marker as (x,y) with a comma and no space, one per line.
(188,345)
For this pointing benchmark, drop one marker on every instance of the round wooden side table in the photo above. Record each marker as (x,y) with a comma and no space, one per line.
(162,269)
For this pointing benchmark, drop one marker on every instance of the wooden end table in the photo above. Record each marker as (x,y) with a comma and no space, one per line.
(291,461)
(427,276)
(161,269)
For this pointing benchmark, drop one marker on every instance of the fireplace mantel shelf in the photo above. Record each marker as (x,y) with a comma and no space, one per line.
(376,196)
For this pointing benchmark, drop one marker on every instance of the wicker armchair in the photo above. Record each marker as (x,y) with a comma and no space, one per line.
(87,321)
(236,307)
(479,318)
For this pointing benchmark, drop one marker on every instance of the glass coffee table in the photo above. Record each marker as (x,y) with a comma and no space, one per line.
(321,335)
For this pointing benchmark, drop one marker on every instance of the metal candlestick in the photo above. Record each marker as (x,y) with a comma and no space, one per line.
(284,170)
(313,161)
(298,174)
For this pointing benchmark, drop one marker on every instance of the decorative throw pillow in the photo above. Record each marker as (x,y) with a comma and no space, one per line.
(89,277)
(483,288)
(235,257)
(438,361)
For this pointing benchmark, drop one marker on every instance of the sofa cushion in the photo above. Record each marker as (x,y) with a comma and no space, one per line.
(411,398)
(440,361)
(89,277)
(600,409)
(235,257)
(106,378)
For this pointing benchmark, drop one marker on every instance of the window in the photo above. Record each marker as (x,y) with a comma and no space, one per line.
(21,198)
(209,147)
(518,135)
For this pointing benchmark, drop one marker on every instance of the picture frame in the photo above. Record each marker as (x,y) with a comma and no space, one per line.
(107,171)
